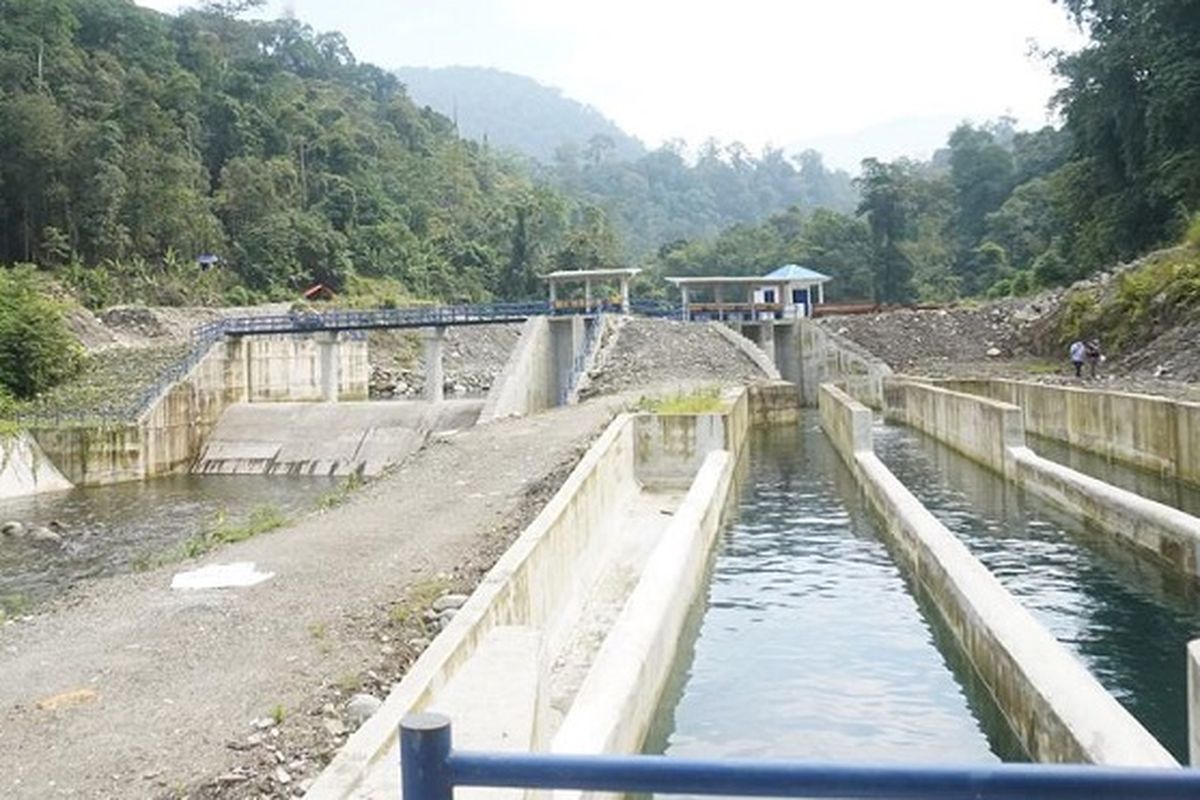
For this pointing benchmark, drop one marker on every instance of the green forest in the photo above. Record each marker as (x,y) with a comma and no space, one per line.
(134,141)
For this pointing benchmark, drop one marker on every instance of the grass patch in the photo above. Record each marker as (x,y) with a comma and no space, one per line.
(332,498)
(1043,368)
(701,401)
(419,597)
(12,605)
(279,713)
(262,519)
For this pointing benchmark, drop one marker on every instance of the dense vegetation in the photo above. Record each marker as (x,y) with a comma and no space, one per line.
(999,212)
(131,142)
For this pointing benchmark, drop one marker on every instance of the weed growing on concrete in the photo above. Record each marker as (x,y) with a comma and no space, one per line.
(701,401)
(279,714)
(340,493)
(317,630)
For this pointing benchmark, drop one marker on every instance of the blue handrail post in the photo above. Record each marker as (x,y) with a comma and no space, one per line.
(425,757)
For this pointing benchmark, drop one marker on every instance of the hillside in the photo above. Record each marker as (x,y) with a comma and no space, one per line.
(513,112)
(132,141)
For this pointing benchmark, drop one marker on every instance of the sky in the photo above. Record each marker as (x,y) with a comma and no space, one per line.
(781,72)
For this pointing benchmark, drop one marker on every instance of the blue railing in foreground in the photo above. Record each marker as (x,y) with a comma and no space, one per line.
(431,770)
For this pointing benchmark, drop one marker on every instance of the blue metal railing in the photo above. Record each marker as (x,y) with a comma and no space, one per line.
(431,769)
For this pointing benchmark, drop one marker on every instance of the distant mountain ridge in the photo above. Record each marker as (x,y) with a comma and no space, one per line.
(513,112)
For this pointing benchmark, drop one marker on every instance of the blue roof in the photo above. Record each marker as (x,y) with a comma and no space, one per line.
(795,272)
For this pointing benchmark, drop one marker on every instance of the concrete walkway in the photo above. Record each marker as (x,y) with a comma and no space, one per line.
(131,689)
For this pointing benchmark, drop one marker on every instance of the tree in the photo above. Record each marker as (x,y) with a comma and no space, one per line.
(36,348)
(887,205)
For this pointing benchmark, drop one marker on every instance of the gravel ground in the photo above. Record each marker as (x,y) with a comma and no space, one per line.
(661,353)
(144,691)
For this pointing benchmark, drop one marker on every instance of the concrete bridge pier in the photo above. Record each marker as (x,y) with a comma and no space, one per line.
(434,373)
(330,364)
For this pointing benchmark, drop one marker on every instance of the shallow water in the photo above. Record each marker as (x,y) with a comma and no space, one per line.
(809,644)
(110,530)
(1128,619)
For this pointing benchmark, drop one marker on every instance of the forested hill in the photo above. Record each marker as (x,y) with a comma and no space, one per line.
(999,211)
(131,141)
(652,198)
(513,111)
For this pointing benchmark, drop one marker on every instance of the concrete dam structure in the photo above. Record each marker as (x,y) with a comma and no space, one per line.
(805,571)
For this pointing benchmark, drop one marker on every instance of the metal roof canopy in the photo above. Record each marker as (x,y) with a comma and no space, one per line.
(588,274)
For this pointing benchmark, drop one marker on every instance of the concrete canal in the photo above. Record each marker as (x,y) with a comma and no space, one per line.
(1128,619)
(810,642)
(111,530)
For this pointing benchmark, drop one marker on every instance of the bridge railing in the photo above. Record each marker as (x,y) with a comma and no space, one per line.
(431,769)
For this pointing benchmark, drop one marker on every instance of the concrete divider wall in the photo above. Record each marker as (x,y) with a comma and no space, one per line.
(774,403)
(1155,433)
(991,432)
(616,704)
(981,429)
(526,384)
(825,356)
(1054,705)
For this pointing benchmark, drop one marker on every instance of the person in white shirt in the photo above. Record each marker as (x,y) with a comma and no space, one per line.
(1078,353)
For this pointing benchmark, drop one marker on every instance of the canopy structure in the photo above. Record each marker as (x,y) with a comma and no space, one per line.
(591,278)
(784,293)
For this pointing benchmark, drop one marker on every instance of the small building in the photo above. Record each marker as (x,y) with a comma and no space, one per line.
(787,293)
(319,291)
(603,289)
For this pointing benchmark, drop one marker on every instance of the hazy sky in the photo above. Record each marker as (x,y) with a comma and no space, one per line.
(778,71)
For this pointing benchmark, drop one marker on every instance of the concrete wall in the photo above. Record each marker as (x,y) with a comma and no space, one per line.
(748,338)
(1193,701)
(289,368)
(825,356)
(542,582)
(169,435)
(991,432)
(1155,433)
(25,469)
(776,403)
(619,697)
(526,384)
(982,429)
(1054,705)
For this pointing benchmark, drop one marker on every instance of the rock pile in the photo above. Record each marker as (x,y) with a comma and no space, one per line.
(649,352)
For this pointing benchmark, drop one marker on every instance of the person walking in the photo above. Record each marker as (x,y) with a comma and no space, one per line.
(1094,356)
(1078,353)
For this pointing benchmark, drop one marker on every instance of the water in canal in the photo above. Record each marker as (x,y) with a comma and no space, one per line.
(1151,485)
(111,530)
(1128,619)
(810,644)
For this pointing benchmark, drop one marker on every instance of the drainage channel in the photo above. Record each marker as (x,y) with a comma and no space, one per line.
(1168,491)
(1125,617)
(810,643)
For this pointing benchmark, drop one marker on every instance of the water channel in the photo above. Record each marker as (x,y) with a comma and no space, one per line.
(111,530)
(810,643)
(1168,491)
(1127,619)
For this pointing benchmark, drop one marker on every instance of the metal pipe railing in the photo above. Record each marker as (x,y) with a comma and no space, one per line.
(431,769)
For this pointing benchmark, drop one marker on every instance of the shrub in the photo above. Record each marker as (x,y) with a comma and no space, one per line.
(1192,237)
(37,349)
